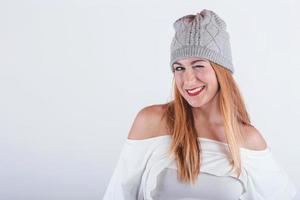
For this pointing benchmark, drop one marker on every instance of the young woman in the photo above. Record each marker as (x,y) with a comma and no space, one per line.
(200,145)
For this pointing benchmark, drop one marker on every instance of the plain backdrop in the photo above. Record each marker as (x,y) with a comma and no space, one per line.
(74,74)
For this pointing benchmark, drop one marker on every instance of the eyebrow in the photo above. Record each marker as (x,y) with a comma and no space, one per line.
(194,61)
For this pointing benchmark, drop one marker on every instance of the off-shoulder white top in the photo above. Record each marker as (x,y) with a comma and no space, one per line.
(145,171)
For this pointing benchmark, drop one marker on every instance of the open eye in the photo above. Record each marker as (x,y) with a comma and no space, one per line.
(178,68)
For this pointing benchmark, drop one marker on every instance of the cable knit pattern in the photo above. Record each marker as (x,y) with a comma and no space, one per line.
(202,35)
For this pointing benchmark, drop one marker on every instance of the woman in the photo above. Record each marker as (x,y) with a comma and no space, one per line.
(201,145)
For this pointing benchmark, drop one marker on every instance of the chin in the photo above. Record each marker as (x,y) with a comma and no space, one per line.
(195,104)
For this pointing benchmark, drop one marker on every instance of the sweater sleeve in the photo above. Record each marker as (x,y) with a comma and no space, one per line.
(266,179)
(126,178)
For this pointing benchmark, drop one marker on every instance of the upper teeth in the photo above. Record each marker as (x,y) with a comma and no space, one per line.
(195,90)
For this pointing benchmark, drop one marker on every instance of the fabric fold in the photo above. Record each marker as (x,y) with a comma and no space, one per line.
(141,161)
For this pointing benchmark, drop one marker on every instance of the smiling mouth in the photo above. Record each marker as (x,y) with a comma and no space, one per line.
(195,91)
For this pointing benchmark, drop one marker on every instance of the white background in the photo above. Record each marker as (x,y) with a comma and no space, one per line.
(74,73)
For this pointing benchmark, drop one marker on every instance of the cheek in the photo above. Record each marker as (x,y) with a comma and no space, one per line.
(214,83)
(179,84)
(178,80)
(204,77)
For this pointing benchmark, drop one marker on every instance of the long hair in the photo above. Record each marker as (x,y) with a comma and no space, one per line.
(180,122)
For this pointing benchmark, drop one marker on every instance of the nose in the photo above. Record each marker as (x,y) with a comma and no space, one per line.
(189,75)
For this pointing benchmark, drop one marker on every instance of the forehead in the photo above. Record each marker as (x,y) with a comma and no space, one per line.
(190,60)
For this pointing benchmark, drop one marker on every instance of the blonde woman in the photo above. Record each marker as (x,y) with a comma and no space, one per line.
(200,145)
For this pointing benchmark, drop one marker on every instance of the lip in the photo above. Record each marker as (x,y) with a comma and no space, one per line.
(195,87)
(196,92)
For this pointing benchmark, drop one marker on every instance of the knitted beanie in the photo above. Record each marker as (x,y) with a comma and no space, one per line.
(202,35)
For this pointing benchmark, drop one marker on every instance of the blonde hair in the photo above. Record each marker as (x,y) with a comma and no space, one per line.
(180,121)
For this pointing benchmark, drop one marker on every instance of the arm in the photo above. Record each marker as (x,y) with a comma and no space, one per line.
(126,178)
(266,178)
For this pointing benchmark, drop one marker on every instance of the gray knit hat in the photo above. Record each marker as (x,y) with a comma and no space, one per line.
(202,35)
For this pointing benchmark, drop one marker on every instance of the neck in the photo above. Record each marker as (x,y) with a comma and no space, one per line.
(209,114)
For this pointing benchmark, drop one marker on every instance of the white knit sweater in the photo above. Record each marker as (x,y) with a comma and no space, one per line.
(135,176)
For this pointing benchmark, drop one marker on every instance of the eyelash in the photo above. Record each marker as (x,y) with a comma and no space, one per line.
(182,67)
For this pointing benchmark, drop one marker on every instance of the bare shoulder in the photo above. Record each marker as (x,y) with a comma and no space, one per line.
(253,139)
(149,122)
